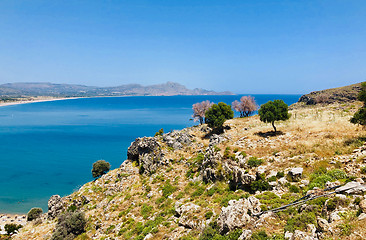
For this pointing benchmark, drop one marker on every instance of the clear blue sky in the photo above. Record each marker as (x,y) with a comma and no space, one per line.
(245,46)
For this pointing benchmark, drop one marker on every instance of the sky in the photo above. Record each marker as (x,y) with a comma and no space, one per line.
(244,46)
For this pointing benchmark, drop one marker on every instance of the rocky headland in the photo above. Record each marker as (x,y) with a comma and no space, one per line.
(193,184)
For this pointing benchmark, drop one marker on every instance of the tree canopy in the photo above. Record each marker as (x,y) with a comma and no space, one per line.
(100,167)
(200,109)
(272,111)
(360,116)
(246,106)
(217,114)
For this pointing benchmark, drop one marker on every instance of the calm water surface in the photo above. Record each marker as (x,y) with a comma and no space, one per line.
(48,148)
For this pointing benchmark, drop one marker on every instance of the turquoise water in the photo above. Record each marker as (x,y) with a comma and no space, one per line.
(48,148)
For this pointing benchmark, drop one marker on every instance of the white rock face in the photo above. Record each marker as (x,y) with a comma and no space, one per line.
(185,213)
(296,173)
(236,214)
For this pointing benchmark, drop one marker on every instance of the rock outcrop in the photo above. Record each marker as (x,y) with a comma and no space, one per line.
(147,153)
(55,206)
(238,214)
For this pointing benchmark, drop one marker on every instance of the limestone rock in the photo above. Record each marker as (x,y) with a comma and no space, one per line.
(186,214)
(177,139)
(216,139)
(208,170)
(295,174)
(240,178)
(245,235)
(236,214)
(363,205)
(55,206)
(147,153)
(323,224)
(352,188)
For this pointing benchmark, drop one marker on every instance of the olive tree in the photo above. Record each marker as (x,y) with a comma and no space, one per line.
(217,114)
(272,111)
(200,109)
(34,213)
(100,167)
(246,106)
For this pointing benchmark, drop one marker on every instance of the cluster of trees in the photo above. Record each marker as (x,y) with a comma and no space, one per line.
(216,114)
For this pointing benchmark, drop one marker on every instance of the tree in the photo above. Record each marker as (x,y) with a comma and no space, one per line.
(360,116)
(246,106)
(200,109)
(12,228)
(69,226)
(100,167)
(274,111)
(34,213)
(217,114)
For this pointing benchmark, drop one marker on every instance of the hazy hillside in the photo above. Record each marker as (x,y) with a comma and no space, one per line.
(333,95)
(71,90)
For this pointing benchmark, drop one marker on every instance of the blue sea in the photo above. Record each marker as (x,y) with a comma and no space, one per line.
(48,148)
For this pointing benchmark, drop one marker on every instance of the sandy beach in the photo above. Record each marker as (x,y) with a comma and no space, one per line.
(34,100)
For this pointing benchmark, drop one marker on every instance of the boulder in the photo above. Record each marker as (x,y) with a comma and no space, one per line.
(55,207)
(147,153)
(352,188)
(216,139)
(187,216)
(240,178)
(299,235)
(209,171)
(245,235)
(177,139)
(237,214)
(295,174)
(323,224)
(363,205)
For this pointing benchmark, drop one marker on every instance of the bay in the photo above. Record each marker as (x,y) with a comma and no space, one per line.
(48,148)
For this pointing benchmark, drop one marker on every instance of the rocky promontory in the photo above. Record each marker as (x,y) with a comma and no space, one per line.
(193,184)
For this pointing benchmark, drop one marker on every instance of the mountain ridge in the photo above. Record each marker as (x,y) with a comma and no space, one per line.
(21,89)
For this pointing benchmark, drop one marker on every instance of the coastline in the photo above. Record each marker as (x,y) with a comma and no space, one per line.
(45,99)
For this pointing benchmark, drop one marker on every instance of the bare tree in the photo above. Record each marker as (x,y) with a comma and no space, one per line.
(246,106)
(200,109)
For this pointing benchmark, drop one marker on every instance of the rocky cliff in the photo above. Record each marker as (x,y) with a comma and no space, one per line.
(192,184)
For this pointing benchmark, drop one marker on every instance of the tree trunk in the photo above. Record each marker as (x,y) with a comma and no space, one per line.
(201,120)
(274,127)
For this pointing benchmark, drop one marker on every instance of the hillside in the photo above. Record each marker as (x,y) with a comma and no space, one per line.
(190,184)
(14,90)
(334,95)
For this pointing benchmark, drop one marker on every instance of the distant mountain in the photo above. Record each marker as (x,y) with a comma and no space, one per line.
(73,90)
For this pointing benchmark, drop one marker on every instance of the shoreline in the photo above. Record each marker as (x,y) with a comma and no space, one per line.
(4,104)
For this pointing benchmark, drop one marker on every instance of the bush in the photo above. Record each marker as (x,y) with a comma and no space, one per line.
(294,189)
(168,189)
(208,215)
(69,226)
(217,114)
(34,213)
(12,228)
(360,116)
(274,111)
(159,133)
(300,221)
(254,162)
(363,170)
(261,235)
(100,167)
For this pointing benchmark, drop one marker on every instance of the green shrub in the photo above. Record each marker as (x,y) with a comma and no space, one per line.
(272,111)
(363,170)
(294,189)
(254,162)
(300,221)
(34,213)
(100,167)
(168,189)
(272,179)
(357,201)
(11,228)
(146,210)
(69,226)
(208,215)
(261,235)
(321,176)
(280,174)
(159,133)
